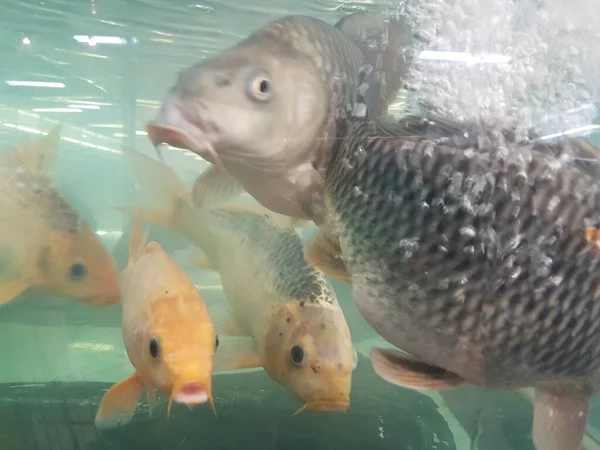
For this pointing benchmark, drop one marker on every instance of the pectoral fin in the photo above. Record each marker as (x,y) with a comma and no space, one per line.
(118,405)
(236,353)
(325,254)
(215,187)
(12,288)
(559,421)
(403,370)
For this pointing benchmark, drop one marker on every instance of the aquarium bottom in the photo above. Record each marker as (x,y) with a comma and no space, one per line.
(253,412)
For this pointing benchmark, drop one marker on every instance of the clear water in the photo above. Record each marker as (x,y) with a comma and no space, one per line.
(58,357)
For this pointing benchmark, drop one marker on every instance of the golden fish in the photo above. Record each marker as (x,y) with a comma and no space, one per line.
(168,334)
(44,243)
(284,313)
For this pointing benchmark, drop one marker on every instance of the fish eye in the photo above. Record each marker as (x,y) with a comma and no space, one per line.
(216,341)
(258,86)
(77,272)
(297,354)
(154,348)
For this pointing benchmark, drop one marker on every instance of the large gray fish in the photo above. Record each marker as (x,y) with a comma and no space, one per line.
(265,110)
(477,255)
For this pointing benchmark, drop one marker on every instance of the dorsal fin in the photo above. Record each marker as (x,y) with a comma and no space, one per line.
(39,155)
(137,239)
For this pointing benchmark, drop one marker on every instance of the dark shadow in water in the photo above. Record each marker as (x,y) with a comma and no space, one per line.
(254,413)
(494,419)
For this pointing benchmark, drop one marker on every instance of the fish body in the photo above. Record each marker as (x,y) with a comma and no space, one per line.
(168,335)
(283,313)
(473,253)
(44,243)
(265,110)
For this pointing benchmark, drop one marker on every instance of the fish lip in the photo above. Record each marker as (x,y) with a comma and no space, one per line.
(181,128)
(191,393)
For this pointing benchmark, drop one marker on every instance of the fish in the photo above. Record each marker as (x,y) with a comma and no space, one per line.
(265,110)
(472,250)
(45,245)
(168,334)
(281,314)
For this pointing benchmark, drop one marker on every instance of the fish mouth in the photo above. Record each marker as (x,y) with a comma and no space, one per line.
(324,405)
(191,393)
(190,130)
(194,393)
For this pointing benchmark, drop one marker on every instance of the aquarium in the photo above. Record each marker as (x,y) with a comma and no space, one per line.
(81,80)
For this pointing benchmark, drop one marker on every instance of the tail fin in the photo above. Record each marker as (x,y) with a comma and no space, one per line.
(170,196)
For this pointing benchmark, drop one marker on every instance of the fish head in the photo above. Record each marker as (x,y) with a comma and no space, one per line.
(249,105)
(75,264)
(174,343)
(309,351)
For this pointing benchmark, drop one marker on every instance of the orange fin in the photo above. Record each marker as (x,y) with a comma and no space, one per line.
(137,239)
(559,421)
(406,371)
(324,253)
(214,187)
(11,289)
(39,156)
(118,405)
(236,353)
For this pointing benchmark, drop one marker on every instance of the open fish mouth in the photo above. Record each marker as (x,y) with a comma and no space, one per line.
(181,128)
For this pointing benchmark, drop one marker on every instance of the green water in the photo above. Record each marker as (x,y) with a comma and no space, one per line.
(58,357)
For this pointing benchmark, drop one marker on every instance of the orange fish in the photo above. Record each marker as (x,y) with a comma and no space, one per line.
(592,236)
(168,334)
(44,242)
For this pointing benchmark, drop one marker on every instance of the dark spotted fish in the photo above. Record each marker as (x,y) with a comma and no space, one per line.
(284,311)
(473,253)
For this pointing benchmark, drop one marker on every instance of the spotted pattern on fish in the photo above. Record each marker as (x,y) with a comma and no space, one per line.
(292,277)
(476,255)
(35,187)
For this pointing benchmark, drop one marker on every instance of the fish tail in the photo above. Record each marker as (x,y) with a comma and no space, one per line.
(171,199)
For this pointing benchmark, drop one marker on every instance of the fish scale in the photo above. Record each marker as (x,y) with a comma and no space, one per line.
(526,328)
(287,270)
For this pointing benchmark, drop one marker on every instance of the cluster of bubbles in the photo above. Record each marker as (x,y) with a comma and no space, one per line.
(530,62)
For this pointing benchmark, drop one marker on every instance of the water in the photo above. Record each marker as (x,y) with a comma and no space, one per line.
(58,357)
